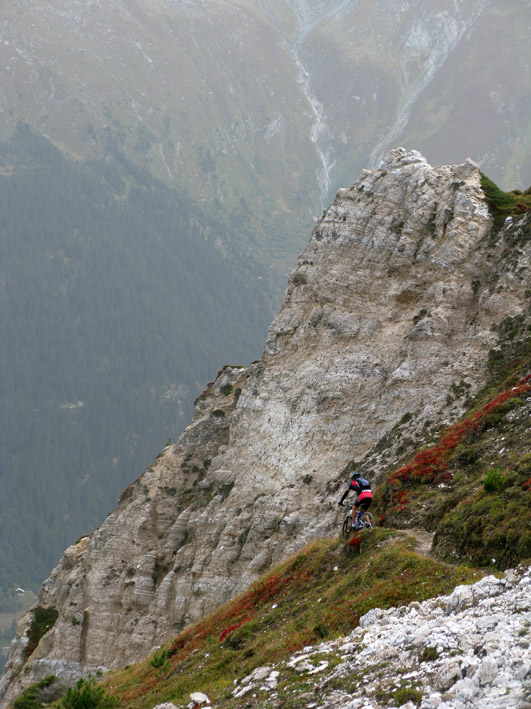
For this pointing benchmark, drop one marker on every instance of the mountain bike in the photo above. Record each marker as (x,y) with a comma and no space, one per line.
(348,528)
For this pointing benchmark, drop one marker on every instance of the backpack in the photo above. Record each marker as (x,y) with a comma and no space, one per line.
(363,483)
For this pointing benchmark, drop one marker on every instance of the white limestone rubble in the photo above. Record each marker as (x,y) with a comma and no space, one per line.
(468,650)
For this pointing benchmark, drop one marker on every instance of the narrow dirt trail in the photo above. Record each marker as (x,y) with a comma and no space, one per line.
(423,541)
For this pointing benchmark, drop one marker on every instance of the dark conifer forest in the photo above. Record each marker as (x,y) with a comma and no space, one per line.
(118,302)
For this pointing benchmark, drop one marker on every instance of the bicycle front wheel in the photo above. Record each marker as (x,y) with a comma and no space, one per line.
(347,524)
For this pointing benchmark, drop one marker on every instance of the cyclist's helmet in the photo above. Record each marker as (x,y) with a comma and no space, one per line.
(355,476)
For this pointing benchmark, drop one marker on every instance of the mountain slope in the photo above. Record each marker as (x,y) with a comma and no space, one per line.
(393,317)
(397,656)
(184,89)
(318,594)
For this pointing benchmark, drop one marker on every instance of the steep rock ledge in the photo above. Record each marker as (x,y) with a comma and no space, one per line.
(398,297)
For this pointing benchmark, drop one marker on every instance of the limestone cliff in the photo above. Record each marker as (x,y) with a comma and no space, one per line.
(397,298)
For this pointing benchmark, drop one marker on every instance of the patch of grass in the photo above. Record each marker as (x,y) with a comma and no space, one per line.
(503,204)
(428,654)
(398,696)
(467,454)
(490,529)
(494,481)
(403,695)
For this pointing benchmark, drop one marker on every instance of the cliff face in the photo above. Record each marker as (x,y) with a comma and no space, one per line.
(395,301)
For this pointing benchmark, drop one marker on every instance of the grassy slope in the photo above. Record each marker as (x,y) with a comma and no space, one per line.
(210,100)
(503,204)
(472,488)
(319,593)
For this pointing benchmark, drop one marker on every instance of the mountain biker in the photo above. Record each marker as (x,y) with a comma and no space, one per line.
(363,500)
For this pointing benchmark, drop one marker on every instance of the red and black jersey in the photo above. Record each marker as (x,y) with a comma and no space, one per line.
(361,486)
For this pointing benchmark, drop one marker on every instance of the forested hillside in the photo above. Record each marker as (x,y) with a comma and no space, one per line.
(117,306)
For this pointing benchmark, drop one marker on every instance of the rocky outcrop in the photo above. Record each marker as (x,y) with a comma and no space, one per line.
(396,300)
(468,650)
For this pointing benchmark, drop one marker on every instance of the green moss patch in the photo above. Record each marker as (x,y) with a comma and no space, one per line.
(503,204)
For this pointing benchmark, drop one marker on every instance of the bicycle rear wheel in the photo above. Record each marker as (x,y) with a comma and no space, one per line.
(345,530)
(369,520)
